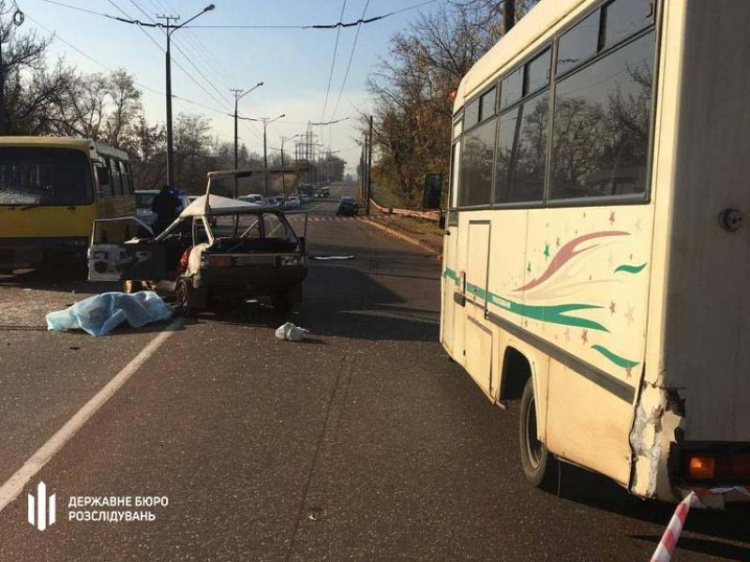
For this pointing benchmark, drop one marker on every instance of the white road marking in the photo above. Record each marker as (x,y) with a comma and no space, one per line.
(11,489)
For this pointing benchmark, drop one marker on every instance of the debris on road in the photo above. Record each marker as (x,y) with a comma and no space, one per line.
(100,314)
(290,332)
(327,258)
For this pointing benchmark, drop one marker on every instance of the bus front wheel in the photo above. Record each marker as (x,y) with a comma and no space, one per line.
(539,466)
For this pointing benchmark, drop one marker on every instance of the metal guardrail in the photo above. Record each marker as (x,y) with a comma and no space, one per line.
(423,215)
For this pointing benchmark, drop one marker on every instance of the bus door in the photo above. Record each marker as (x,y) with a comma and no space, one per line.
(478,336)
(452,313)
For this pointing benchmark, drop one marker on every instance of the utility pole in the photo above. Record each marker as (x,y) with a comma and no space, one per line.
(283,168)
(266,122)
(238,94)
(169,29)
(369,169)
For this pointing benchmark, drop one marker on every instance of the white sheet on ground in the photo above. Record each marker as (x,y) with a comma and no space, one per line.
(100,314)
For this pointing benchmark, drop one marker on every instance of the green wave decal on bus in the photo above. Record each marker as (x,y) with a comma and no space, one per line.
(614,358)
(634,269)
(556,314)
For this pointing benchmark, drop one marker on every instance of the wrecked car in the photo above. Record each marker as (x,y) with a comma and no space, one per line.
(218,249)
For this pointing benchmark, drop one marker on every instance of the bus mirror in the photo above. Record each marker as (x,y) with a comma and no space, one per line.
(102,175)
(441,221)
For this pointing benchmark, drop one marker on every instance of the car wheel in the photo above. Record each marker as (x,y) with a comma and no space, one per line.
(539,466)
(184,292)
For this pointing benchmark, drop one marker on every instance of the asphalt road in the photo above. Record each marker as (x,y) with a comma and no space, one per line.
(362,443)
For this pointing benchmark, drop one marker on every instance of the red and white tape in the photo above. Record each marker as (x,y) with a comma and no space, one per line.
(671,535)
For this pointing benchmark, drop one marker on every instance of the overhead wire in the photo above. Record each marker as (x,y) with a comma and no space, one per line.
(336,25)
(349,64)
(81,52)
(333,63)
(211,64)
(140,25)
(200,47)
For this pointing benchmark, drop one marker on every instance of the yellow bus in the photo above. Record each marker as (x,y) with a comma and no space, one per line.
(596,263)
(51,190)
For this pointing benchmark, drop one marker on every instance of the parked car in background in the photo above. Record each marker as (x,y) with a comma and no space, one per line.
(144,198)
(347,207)
(292,202)
(256,198)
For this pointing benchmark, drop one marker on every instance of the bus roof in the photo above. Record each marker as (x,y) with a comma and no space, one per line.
(525,36)
(65,142)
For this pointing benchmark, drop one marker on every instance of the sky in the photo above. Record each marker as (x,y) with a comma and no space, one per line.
(294,64)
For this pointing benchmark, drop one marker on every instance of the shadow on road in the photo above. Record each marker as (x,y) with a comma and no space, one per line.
(594,490)
(62,279)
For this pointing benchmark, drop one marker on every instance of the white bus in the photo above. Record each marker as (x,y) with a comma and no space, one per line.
(595,261)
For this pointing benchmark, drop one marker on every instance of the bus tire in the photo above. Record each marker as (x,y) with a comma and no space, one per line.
(539,467)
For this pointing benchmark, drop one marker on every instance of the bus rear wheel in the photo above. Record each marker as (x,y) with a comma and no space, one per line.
(539,466)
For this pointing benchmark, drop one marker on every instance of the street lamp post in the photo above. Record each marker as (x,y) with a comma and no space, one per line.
(169,30)
(266,122)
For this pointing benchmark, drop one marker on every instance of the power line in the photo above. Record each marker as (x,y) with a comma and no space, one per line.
(349,64)
(195,51)
(154,41)
(55,35)
(140,26)
(336,25)
(201,48)
(333,63)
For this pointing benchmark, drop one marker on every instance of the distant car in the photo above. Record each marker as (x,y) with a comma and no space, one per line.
(144,199)
(292,202)
(347,207)
(304,198)
(256,198)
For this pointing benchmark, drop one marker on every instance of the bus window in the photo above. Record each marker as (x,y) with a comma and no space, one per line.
(512,88)
(602,125)
(116,178)
(127,182)
(487,104)
(476,164)
(33,176)
(578,44)
(471,115)
(455,173)
(505,141)
(624,18)
(537,73)
(530,151)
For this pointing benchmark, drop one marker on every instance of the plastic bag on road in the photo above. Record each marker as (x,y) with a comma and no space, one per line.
(100,314)
(290,332)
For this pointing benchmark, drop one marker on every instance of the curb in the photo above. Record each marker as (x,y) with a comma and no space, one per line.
(437,254)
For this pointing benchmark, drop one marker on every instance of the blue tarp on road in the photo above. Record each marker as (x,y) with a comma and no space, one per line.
(100,314)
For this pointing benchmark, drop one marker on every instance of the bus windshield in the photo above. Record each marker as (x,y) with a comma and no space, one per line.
(44,177)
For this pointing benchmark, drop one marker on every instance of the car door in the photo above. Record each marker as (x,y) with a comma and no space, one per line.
(124,249)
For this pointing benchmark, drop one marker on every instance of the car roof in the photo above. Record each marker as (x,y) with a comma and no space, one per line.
(218,205)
